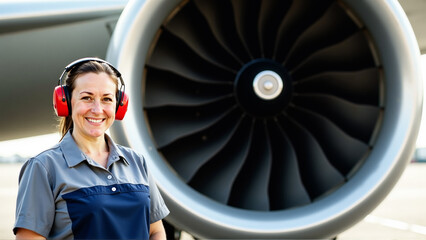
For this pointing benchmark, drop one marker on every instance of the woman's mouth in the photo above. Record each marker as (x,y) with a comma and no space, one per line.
(94,120)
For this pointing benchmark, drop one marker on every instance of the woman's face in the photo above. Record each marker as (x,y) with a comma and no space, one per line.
(93,104)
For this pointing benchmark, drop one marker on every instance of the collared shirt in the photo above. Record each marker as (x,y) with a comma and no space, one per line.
(63,194)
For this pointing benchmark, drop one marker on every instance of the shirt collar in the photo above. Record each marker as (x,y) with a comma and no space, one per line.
(115,153)
(74,156)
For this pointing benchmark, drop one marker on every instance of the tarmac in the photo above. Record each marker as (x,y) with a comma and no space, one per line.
(402,215)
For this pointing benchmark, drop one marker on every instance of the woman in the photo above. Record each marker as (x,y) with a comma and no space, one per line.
(88,187)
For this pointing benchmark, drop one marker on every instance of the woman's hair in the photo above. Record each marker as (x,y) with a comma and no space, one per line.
(66,123)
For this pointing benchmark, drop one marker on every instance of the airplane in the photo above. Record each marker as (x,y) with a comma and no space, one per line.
(258,119)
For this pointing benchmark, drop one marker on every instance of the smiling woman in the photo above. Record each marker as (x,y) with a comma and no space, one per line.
(86,180)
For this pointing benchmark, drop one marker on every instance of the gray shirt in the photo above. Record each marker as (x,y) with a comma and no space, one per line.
(63,194)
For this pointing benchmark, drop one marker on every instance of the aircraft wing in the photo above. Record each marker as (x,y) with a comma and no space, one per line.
(37,39)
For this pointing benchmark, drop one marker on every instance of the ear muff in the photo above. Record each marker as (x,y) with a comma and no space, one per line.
(122,103)
(62,97)
(60,101)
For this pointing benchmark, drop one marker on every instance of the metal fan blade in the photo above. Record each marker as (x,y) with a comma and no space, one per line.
(246,16)
(190,26)
(318,175)
(221,20)
(169,89)
(172,54)
(333,27)
(301,15)
(186,155)
(250,189)
(269,22)
(286,188)
(343,151)
(349,55)
(361,87)
(356,120)
(216,177)
(171,123)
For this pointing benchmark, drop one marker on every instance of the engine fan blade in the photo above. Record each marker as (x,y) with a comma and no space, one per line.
(301,15)
(318,175)
(356,120)
(187,154)
(190,26)
(250,189)
(216,177)
(269,22)
(221,20)
(286,188)
(349,55)
(343,151)
(171,123)
(361,87)
(172,54)
(246,16)
(168,89)
(333,27)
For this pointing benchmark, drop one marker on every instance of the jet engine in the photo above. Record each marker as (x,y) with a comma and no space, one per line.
(269,118)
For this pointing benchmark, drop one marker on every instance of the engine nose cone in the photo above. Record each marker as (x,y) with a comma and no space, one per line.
(263,88)
(267,85)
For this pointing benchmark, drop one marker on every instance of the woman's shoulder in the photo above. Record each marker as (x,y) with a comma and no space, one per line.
(45,156)
(43,161)
(128,151)
(131,156)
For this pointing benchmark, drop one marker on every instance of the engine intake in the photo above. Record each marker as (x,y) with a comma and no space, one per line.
(269,118)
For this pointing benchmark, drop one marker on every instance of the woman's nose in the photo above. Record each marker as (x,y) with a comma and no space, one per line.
(96,107)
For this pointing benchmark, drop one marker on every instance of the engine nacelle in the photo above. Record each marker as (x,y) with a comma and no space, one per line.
(269,118)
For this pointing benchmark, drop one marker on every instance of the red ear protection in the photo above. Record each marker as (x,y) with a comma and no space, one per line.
(122,103)
(60,102)
(61,95)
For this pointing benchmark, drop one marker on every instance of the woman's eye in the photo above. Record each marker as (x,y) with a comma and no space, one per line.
(85,98)
(108,99)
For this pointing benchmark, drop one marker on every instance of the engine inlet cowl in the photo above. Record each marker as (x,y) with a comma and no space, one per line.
(269,118)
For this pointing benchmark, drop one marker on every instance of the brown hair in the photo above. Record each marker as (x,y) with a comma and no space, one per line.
(66,123)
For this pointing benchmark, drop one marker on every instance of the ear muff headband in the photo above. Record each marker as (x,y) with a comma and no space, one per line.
(61,94)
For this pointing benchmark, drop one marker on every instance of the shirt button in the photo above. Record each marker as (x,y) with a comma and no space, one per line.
(113,189)
(109,177)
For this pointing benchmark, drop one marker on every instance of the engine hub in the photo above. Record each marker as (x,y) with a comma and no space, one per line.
(263,87)
(267,85)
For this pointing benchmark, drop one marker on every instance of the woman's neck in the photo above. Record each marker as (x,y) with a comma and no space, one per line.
(95,148)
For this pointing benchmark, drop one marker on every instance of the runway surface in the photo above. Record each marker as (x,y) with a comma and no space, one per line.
(402,215)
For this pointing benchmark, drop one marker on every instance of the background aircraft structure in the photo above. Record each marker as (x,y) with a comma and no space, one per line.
(259,119)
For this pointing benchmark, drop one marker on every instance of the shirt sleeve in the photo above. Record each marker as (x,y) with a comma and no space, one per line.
(158,209)
(35,206)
